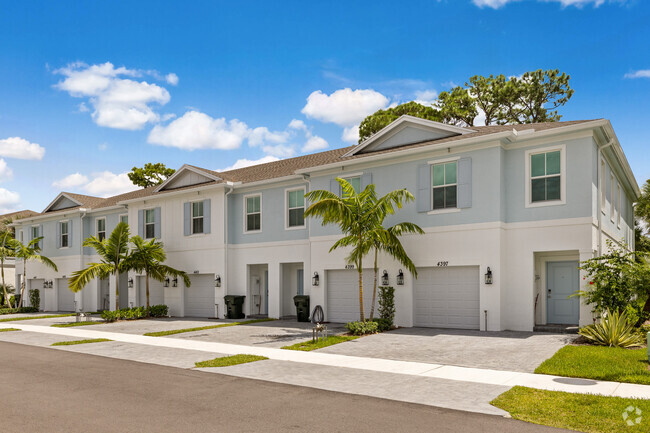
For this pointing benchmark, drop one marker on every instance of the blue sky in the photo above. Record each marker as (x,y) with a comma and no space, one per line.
(90,89)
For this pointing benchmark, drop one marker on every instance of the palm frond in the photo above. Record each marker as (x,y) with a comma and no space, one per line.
(80,279)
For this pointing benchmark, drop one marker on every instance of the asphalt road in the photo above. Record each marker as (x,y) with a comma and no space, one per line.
(47,390)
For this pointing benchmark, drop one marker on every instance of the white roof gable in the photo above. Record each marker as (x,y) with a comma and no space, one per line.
(186,176)
(407,130)
(62,201)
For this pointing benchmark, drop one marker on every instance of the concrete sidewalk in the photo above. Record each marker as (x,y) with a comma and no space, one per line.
(406,368)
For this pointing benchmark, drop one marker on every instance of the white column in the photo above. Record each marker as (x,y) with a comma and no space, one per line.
(111,292)
(275,277)
(586,316)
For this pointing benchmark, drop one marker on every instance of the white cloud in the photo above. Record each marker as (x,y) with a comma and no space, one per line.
(297,125)
(106,184)
(351,134)
(9,201)
(496,4)
(19,148)
(171,79)
(279,150)
(314,143)
(261,135)
(643,73)
(73,180)
(118,102)
(83,108)
(196,130)
(5,171)
(102,146)
(241,163)
(344,107)
(426,97)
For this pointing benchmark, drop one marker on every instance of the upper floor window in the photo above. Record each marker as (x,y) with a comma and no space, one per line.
(101,229)
(65,235)
(296,208)
(545,176)
(149,224)
(124,219)
(253,213)
(35,234)
(197,217)
(22,237)
(355,182)
(445,185)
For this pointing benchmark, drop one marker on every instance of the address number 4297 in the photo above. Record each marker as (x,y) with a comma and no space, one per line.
(443,264)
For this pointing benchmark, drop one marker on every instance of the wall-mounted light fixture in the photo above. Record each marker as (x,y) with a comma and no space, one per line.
(315,280)
(166,282)
(175,282)
(130,282)
(50,284)
(384,278)
(45,284)
(488,276)
(217,281)
(400,278)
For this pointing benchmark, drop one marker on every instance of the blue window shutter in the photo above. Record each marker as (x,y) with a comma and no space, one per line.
(70,233)
(141,223)
(423,198)
(464,183)
(58,234)
(41,243)
(156,226)
(206,216)
(366,179)
(187,219)
(335,187)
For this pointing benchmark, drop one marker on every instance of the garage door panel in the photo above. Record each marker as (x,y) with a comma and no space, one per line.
(65,296)
(343,295)
(156,293)
(200,296)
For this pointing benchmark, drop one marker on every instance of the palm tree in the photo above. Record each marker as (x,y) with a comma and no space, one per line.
(358,216)
(113,252)
(31,251)
(147,257)
(6,235)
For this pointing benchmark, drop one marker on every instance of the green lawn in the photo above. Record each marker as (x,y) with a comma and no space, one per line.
(50,316)
(203,328)
(71,343)
(581,412)
(71,325)
(227,361)
(331,340)
(599,363)
(9,329)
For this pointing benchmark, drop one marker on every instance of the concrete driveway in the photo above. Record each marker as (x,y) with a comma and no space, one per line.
(506,350)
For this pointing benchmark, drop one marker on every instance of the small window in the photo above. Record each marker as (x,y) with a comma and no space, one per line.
(444,185)
(22,237)
(149,224)
(197,217)
(296,208)
(355,182)
(253,213)
(101,229)
(64,234)
(35,235)
(124,219)
(545,182)
(618,204)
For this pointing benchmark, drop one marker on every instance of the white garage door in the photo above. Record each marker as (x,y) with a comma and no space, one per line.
(447,297)
(156,292)
(199,297)
(343,295)
(65,296)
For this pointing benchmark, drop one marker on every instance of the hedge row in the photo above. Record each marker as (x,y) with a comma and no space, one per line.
(135,313)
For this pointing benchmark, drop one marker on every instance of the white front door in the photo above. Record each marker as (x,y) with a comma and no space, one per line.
(65,296)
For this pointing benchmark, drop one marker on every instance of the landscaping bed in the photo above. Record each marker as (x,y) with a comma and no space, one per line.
(9,329)
(227,361)
(203,328)
(75,342)
(320,343)
(46,316)
(4,311)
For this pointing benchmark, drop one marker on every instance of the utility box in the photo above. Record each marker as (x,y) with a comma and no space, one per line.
(234,306)
(302,307)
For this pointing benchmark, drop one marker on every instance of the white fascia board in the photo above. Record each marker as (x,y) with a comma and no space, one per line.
(58,215)
(106,209)
(622,159)
(240,185)
(175,193)
(180,170)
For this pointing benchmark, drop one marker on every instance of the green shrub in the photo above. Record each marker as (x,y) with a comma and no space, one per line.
(387,304)
(613,330)
(135,313)
(362,328)
(18,310)
(35,298)
(382,324)
(158,310)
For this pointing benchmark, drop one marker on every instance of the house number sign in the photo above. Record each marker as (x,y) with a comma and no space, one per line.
(443,264)
(349,266)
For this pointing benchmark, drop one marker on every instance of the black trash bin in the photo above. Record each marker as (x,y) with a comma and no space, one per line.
(302,307)
(234,306)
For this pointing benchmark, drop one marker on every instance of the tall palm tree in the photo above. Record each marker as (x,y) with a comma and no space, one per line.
(357,215)
(113,252)
(30,251)
(147,257)
(6,250)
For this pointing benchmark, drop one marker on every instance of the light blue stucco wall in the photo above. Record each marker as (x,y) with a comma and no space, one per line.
(90,224)
(49,233)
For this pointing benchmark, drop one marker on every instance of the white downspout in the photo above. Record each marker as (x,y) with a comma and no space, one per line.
(307,178)
(81,249)
(225,236)
(601,184)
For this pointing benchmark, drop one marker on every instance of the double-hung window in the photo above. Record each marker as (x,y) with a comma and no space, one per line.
(101,229)
(124,219)
(65,235)
(36,234)
(545,176)
(253,213)
(445,187)
(149,224)
(355,182)
(197,217)
(296,208)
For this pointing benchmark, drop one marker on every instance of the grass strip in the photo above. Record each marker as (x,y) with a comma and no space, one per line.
(310,345)
(72,325)
(50,316)
(203,328)
(227,361)
(583,412)
(599,363)
(72,343)
(8,329)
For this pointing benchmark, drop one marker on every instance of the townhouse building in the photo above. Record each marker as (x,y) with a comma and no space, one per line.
(508,213)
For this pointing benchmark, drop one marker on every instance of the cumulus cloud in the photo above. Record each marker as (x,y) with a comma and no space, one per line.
(426,97)
(314,143)
(73,180)
(196,130)
(344,107)
(19,148)
(279,150)
(101,184)
(171,79)
(241,163)
(5,171)
(118,101)
(9,201)
(351,134)
(496,4)
(297,125)
(261,135)
(642,73)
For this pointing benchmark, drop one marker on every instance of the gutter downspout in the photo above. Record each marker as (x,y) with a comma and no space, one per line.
(225,249)
(307,178)
(600,182)
(81,249)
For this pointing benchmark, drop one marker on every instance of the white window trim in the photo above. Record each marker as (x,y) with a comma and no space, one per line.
(443,161)
(286,207)
(246,214)
(61,234)
(192,218)
(618,212)
(612,204)
(443,211)
(527,179)
(123,215)
(144,222)
(32,233)
(603,186)
(446,209)
(97,220)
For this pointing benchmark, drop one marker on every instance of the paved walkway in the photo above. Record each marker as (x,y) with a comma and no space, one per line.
(405,368)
